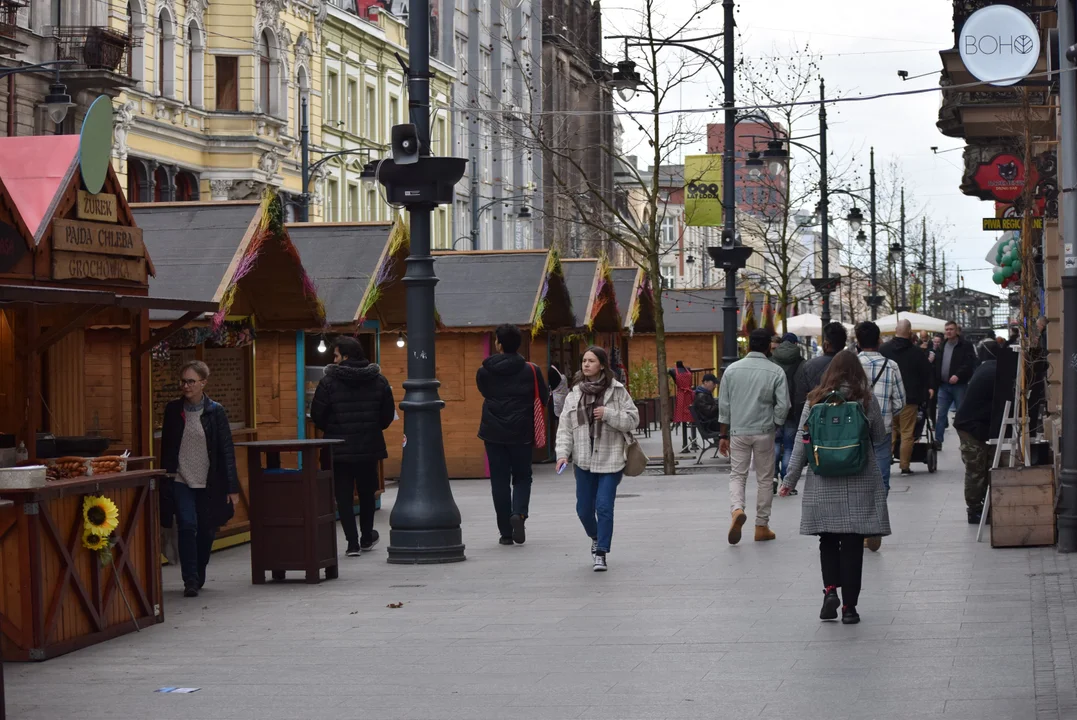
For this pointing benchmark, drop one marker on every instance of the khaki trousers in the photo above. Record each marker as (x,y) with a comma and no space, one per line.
(742,449)
(905,428)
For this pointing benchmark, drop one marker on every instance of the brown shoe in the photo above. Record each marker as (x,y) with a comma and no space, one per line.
(739,519)
(873,543)
(763,533)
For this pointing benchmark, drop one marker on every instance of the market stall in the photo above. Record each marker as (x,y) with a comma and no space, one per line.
(79,550)
(598,317)
(693,325)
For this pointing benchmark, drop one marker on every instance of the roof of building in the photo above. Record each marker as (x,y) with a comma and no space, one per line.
(33,169)
(487,289)
(624,285)
(693,311)
(193,245)
(340,259)
(580,281)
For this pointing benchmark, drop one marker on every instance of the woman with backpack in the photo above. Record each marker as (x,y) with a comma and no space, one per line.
(841,503)
(598,412)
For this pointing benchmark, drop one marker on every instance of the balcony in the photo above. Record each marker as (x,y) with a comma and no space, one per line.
(101,58)
(9,27)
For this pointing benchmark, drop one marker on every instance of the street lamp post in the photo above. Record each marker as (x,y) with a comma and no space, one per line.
(306,169)
(524,214)
(903,278)
(57,101)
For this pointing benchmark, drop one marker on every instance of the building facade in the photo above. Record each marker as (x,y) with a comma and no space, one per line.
(764,195)
(364,96)
(496,49)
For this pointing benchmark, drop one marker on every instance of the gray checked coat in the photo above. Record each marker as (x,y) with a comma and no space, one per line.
(853,504)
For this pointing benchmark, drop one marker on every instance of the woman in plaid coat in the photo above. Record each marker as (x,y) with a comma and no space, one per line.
(597,413)
(842,511)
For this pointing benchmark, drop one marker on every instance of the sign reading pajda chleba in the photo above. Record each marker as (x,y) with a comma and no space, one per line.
(703,190)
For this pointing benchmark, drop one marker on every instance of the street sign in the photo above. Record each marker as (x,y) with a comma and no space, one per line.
(703,190)
(1009,223)
(999,45)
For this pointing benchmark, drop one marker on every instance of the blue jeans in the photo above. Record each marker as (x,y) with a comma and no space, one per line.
(197,531)
(883,458)
(595,495)
(784,438)
(948,395)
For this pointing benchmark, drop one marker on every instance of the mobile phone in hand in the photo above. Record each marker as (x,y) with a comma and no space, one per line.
(562,468)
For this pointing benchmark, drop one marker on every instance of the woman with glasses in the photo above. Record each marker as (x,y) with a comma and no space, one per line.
(197,452)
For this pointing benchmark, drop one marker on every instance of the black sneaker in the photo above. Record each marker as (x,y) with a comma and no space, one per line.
(975,516)
(371,541)
(775,488)
(190,590)
(518,534)
(831,603)
(353,550)
(849,615)
(505,541)
(600,562)
(594,547)
(793,491)
(907,471)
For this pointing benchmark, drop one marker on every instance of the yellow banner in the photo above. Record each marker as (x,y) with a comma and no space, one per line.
(703,190)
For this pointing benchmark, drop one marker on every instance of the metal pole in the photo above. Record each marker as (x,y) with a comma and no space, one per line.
(425,522)
(729,189)
(304,141)
(874,268)
(923,259)
(1067,505)
(904,275)
(475,212)
(824,203)
(934,277)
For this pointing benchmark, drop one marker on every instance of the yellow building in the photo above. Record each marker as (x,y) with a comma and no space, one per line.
(214,113)
(365,94)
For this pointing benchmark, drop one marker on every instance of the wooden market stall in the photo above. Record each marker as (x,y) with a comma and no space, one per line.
(70,260)
(598,318)
(693,324)
(239,256)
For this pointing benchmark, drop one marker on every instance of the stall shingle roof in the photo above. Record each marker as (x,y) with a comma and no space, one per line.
(487,289)
(692,311)
(192,246)
(340,258)
(580,280)
(624,286)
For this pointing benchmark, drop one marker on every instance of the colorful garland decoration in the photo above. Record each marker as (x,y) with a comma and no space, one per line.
(399,242)
(553,268)
(602,298)
(231,334)
(270,229)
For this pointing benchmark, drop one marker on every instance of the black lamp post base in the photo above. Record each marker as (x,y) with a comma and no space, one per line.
(426,547)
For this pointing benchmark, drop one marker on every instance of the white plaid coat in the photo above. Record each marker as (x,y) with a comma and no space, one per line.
(853,504)
(574,440)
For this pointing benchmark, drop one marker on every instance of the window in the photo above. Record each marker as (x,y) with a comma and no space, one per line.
(371,204)
(136,180)
(372,114)
(195,66)
(166,55)
(353,202)
(669,273)
(440,142)
(461,58)
(484,68)
(186,187)
(160,185)
(136,25)
(227,83)
(331,200)
(332,90)
(351,106)
(487,156)
(394,110)
(668,232)
(302,99)
(264,65)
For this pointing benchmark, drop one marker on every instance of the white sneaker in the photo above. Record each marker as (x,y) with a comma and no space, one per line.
(600,563)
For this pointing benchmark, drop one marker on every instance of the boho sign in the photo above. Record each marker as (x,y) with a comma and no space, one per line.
(86,266)
(90,237)
(101,207)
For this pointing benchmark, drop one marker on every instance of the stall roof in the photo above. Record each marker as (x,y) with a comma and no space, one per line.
(69,296)
(624,285)
(580,281)
(693,311)
(594,298)
(340,258)
(33,169)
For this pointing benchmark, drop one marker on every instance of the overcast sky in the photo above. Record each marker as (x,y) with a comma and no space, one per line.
(862,51)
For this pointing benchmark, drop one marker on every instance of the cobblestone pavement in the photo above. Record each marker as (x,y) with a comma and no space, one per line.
(683,625)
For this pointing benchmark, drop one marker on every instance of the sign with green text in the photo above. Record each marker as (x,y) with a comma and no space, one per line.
(703,190)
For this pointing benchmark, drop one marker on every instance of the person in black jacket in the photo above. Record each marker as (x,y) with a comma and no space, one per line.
(917,375)
(203,488)
(354,403)
(973,425)
(810,372)
(955,361)
(705,405)
(509,384)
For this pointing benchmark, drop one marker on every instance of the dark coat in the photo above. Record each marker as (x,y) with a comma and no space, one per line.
(788,357)
(917,374)
(962,362)
(354,403)
(974,415)
(222,480)
(507,384)
(705,406)
(807,379)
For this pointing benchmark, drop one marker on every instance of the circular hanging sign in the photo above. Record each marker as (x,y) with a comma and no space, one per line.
(95,144)
(999,45)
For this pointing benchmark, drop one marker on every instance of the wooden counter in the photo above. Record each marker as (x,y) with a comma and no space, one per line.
(57,597)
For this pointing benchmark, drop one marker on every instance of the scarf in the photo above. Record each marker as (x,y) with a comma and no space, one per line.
(592,395)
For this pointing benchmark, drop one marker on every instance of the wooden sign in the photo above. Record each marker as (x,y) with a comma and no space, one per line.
(91,237)
(87,266)
(101,207)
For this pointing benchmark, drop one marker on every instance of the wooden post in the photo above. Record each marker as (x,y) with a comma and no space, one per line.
(33,383)
(142,415)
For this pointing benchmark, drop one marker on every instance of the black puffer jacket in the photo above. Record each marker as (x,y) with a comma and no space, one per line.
(788,357)
(354,403)
(507,382)
(962,362)
(808,376)
(975,414)
(222,480)
(917,374)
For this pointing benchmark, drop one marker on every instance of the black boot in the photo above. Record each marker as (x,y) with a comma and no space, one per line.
(831,603)
(849,616)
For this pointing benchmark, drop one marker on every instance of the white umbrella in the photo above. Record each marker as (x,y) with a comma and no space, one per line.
(888,324)
(803,325)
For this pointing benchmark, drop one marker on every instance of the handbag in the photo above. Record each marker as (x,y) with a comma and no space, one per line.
(539,411)
(635,459)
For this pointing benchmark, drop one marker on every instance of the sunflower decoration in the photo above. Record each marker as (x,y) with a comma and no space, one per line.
(92,541)
(100,515)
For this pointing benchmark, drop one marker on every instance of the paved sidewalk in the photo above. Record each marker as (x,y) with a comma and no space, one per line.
(683,626)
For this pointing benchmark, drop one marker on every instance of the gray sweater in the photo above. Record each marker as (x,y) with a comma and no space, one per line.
(194,452)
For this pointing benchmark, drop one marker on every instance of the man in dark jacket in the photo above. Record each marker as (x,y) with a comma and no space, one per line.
(955,361)
(509,385)
(918,377)
(705,405)
(789,358)
(811,371)
(973,425)
(354,403)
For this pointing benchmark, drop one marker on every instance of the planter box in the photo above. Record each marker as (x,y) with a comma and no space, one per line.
(1023,506)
